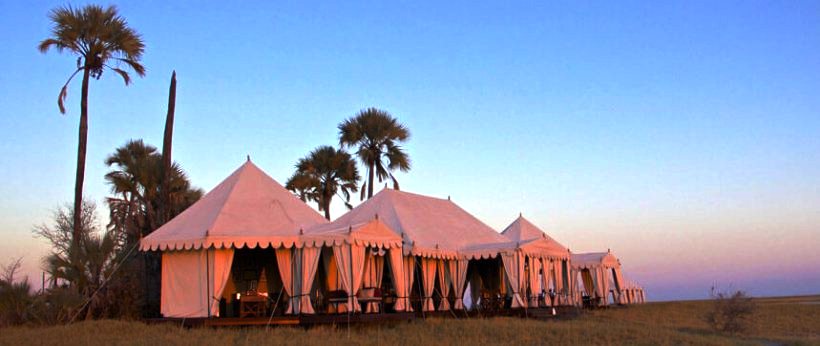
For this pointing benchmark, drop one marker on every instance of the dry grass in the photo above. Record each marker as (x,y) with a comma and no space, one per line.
(777,321)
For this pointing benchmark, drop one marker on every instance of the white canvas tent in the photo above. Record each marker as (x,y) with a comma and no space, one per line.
(633,293)
(546,258)
(443,236)
(596,270)
(247,209)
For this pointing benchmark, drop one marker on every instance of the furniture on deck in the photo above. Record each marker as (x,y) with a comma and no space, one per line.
(491,301)
(589,302)
(252,305)
(371,297)
(335,298)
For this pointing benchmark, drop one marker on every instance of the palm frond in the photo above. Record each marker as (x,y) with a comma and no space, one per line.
(123,74)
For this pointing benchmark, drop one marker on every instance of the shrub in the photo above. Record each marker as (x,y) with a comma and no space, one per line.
(15,295)
(730,311)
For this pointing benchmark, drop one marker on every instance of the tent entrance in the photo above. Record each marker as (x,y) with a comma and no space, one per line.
(254,272)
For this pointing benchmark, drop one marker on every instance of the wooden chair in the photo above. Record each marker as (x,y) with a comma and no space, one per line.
(491,301)
(371,297)
(336,298)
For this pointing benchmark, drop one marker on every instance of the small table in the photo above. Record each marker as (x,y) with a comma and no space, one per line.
(252,306)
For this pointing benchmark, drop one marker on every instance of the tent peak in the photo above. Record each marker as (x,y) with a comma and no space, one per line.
(249,158)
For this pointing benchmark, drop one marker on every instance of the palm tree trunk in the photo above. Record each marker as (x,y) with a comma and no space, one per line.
(81,149)
(370,177)
(327,208)
(165,208)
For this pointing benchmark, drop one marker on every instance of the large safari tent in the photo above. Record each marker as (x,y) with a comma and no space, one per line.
(249,247)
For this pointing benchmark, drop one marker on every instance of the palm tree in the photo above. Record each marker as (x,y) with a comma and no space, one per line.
(98,37)
(146,195)
(377,135)
(136,180)
(322,174)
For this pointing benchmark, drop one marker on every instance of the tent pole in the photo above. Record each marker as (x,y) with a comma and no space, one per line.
(350,300)
(208,280)
(420,284)
(404,278)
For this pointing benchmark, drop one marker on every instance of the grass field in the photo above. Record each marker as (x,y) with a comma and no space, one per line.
(792,320)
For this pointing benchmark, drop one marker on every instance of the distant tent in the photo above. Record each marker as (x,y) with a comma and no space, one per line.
(596,270)
(546,259)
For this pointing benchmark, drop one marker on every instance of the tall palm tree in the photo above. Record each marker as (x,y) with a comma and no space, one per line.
(99,37)
(377,135)
(322,174)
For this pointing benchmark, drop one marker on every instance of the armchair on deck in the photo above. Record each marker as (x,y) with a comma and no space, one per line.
(372,298)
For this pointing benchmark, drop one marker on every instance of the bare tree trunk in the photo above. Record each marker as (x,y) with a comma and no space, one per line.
(370,173)
(165,208)
(326,203)
(81,149)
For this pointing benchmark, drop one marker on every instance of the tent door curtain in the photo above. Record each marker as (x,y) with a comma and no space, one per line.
(350,261)
(191,278)
(535,285)
(310,264)
(515,272)
(589,286)
(428,271)
(458,270)
(444,283)
(373,273)
(560,289)
(399,279)
(409,272)
(619,283)
(284,259)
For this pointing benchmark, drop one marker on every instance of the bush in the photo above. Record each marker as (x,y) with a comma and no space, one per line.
(731,311)
(15,295)
(55,306)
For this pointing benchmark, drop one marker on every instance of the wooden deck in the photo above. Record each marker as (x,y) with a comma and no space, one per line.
(342,319)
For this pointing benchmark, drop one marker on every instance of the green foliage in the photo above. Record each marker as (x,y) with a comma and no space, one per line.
(323,174)
(81,267)
(56,305)
(137,208)
(99,37)
(136,181)
(376,136)
(15,295)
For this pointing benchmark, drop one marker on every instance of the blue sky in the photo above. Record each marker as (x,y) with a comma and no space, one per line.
(685,136)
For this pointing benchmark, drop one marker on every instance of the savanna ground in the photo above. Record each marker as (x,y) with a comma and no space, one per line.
(792,320)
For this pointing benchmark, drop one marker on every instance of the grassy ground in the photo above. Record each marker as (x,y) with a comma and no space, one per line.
(793,320)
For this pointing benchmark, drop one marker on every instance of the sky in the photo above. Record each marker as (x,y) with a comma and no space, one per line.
(682,135)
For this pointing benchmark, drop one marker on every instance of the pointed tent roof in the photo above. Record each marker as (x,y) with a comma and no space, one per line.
(249,208)
(594,260)
(430,227)
(532,240)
